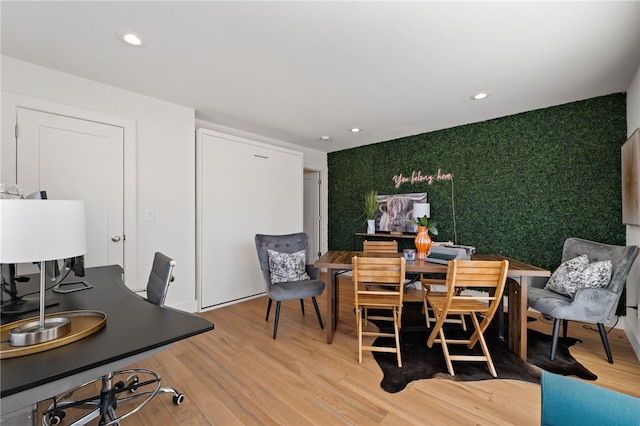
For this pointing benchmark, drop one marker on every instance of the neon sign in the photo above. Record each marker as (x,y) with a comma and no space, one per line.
(418,177)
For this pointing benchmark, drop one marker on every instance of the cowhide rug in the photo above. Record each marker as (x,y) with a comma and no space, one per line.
(421,362)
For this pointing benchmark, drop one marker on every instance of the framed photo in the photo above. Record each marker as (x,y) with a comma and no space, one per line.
(394,212)
(631,180)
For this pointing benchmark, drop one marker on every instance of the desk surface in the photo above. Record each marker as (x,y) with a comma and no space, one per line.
(134,326)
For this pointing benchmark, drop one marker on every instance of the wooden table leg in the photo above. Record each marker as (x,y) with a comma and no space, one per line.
(497,324)
(518,317)
(331,304)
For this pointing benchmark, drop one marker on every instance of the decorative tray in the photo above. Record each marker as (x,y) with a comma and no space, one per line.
(83,324)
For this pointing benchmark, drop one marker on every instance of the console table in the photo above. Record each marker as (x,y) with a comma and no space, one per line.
(135,329)
(388,236)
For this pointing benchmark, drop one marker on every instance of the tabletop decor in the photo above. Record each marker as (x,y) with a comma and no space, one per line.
(370,210)
(423,240)
(83,323)
(40,231)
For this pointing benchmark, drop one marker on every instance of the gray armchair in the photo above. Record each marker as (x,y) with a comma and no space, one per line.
(291,290)
(592,305)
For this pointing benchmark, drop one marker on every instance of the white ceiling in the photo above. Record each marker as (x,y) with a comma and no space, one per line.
(295,71)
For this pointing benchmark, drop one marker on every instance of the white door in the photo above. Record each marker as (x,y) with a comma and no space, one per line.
(76,159)
(312,213)
(244,188)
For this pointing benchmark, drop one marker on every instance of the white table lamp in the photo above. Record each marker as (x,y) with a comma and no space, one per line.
(39,231)
(421,210)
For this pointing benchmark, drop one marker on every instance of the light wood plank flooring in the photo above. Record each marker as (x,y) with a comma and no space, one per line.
(238,375)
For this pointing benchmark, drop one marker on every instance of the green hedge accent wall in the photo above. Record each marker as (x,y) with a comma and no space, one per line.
(522,184)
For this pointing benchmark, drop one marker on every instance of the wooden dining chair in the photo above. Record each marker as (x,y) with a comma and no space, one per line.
(380,271)
(369,246)
(379,247)
(483,276)
(428,290)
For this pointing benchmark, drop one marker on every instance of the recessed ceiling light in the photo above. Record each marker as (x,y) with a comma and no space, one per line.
(355,130)
(130,37)
(325,138)
(480,95)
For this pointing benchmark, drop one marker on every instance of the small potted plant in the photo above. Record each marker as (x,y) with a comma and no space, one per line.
(370,209)
(424,222)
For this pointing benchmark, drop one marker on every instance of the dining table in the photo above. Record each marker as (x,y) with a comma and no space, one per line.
(337,261)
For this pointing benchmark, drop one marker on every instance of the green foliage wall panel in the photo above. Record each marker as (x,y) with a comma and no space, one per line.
(521,184)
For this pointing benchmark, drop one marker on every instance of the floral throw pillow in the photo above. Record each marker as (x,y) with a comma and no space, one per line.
(578,273)
(286,267)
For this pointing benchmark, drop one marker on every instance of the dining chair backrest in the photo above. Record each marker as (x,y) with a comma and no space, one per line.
(488,276)
(380,246)
(387,274)
(385,271)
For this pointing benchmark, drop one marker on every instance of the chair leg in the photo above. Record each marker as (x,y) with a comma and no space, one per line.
(315,305)
(268,309)
(396,329)
(302,305)
(479,337)
(554,341)
(565,326)
(359,328)
(445,351)
(425,307)
(605,342)
(275,324)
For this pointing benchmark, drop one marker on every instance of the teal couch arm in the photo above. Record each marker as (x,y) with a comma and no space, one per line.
(572,402)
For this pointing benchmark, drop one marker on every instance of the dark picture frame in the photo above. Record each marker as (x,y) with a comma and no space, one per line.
(395,211)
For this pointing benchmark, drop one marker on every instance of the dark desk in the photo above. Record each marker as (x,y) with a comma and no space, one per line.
(135,329)
(335,261)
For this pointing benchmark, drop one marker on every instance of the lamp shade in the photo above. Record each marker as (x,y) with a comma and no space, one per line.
(421,210)
(41,230)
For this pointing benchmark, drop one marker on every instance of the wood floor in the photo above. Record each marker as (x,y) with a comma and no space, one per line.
(238,375)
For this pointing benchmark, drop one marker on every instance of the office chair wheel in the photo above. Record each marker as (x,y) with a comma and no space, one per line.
(55,418)
(134,384)
(178,399)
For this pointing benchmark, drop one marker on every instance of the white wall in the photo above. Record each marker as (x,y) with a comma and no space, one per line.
(163,139)
(312,160)
(632,318)
(164,169)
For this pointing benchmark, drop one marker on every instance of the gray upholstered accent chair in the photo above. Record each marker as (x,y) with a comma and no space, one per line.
(291,290)
(591,305)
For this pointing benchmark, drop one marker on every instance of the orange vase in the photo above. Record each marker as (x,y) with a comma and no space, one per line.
(423,242)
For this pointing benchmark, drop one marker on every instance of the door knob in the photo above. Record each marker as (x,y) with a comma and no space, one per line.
(115,238)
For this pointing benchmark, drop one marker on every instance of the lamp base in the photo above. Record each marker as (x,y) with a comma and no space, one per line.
(33,333)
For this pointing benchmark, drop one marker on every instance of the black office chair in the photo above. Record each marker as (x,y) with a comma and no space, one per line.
(119,389)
